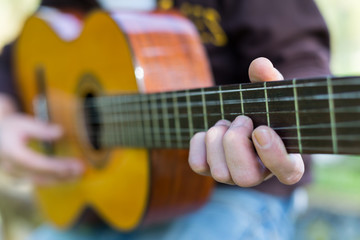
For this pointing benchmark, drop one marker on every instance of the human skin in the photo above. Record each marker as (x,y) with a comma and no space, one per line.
(225,152)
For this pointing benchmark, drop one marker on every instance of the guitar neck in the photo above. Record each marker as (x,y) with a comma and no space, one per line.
(310,115)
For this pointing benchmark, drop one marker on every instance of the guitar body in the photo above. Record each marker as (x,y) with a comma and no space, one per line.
(104,55)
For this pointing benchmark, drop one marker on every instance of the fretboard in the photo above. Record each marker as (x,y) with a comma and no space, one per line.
(311,116)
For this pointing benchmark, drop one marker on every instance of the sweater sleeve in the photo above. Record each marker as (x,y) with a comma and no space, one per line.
(7,83)
(291,33)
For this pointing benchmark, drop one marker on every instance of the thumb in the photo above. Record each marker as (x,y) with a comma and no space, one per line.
(262,70)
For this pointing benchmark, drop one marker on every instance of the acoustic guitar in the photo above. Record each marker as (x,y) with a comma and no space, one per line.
(131,89)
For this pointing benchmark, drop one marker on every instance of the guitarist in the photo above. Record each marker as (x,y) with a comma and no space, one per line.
(292,34)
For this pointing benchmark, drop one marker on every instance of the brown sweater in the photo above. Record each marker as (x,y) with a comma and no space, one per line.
(291,33)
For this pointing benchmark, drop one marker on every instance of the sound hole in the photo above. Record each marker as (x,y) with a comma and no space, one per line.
(92,120)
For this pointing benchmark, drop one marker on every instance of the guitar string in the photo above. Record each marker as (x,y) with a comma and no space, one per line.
(174,143)
(185,131)
(307,149)
(314,149)
(134,98)
(160,131)
(215,103)
(211,102)
(134,124)
(288,85)
(169,106)
(292,149)
(342,137)
(312,138)
(323,96)
(306,127)
(174,139)
(342,125)
(111,117)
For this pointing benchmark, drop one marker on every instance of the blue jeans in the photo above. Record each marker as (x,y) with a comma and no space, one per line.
(231,213)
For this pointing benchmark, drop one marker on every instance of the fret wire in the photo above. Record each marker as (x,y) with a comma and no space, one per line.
(111,116)
(279,99)
(297,117)
(103,127)
(356,108)
(165,118)
(177,121)
(266,105)
(332,115)
(190,118)
(132,117)
(122,134)
(108,128)
(203,99)
(134,128)
(312,126)
(155,120)
(126,118)
(139,127)
(146,119)
(130,123)
(121,117)
(113,109)
(130,109)
(241,100)
(221,103)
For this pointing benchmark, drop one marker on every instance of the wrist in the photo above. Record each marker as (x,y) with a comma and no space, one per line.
(7,106)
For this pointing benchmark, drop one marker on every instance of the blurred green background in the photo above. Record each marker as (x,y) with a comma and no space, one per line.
(337,180)
(336,186)
(343,19)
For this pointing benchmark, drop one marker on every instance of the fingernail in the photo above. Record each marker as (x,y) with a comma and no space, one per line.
(222,122)
(278,75)
(239,121)
(263,137)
